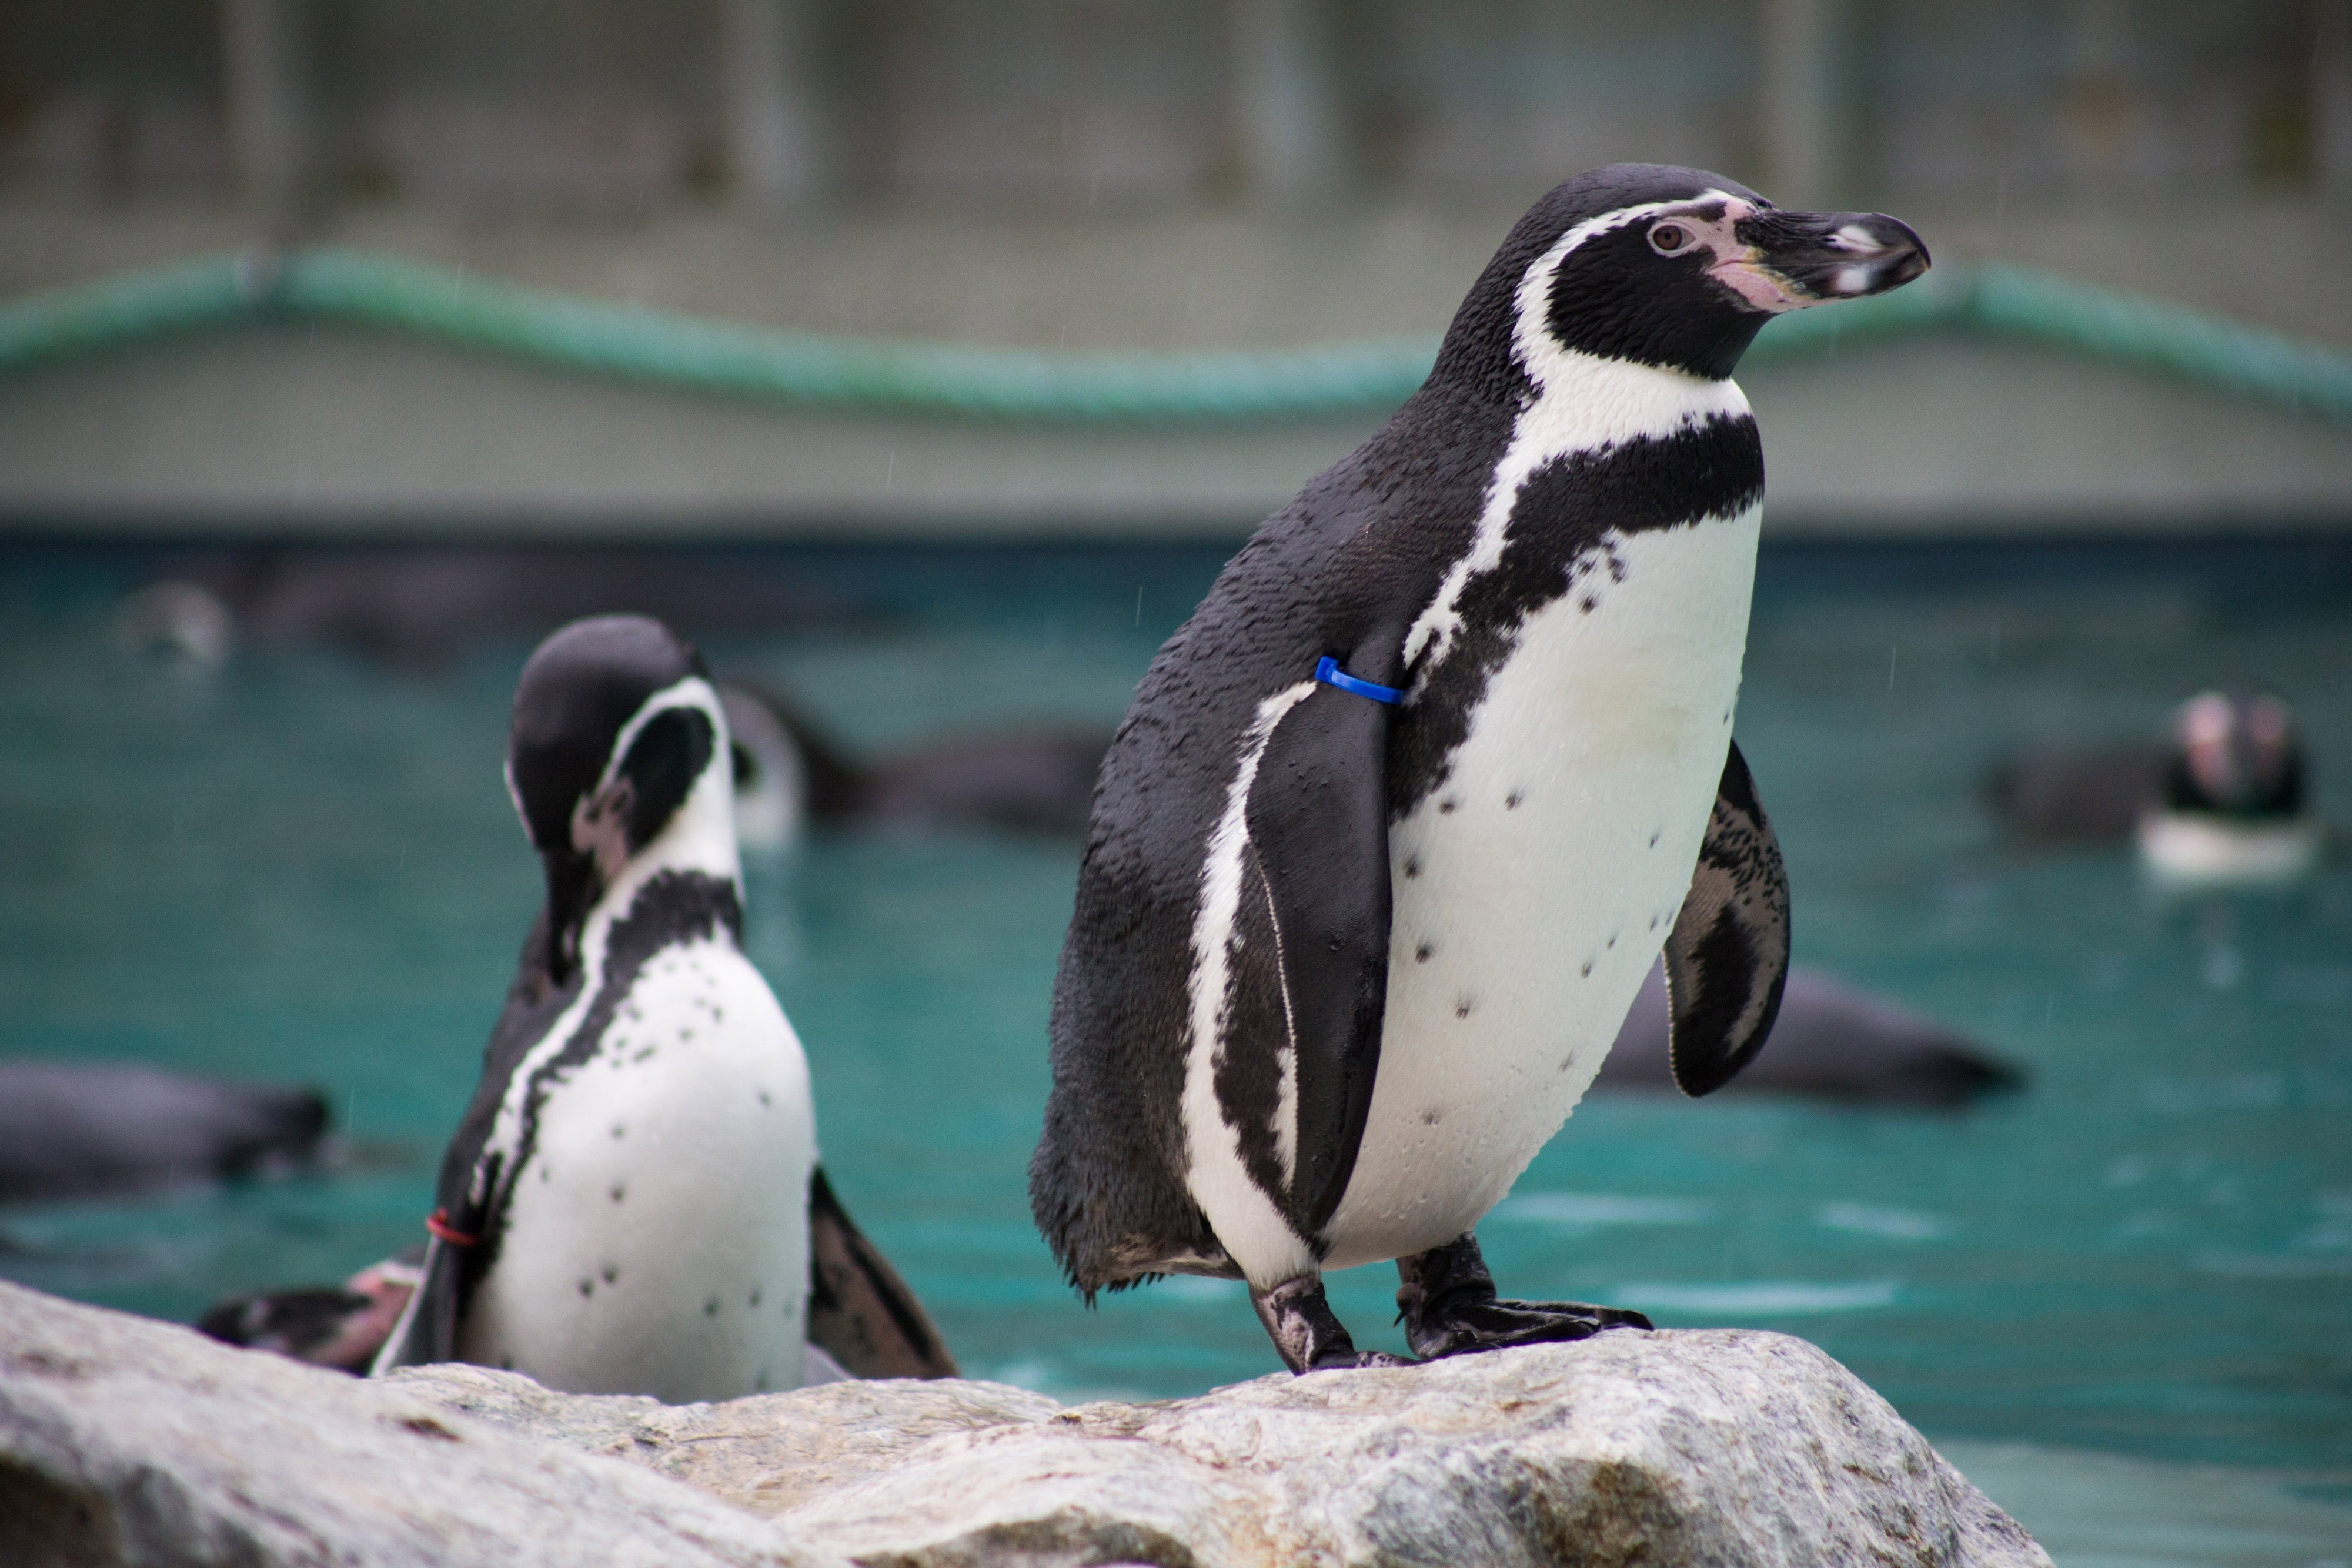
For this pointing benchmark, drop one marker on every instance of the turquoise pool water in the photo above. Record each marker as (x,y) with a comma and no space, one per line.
(306,868)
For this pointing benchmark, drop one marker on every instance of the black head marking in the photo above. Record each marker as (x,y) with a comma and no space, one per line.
(586,810)
(1673,267)
(2235,755)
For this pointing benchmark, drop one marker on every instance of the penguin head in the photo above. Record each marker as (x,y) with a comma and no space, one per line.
(617,758)
(2234,754)
(1674,268)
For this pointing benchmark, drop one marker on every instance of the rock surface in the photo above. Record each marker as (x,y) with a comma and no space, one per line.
(128,1442)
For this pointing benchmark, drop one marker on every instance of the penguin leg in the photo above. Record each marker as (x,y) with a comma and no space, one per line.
(1447,1302)
(1303,1329)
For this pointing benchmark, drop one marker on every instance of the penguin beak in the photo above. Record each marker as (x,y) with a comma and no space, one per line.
(1786,261)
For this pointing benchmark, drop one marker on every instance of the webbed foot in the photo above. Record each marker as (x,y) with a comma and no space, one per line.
(1310,1337)
(1446,1300)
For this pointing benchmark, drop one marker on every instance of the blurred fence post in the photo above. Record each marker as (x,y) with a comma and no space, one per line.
(1806,107)
(262,94)
(775,142)
(1287,109)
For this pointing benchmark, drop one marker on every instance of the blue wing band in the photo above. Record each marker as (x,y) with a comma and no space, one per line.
(1329,672)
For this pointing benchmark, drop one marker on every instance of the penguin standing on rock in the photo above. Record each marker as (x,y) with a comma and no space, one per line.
(631,1203)
(1401,816)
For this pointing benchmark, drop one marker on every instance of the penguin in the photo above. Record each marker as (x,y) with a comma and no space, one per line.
(1399,816)
(1033,780)
(632,1201)
(772,769)
(1829,1042)
(2222,800)
(342,1327)
(2232,809)
(85,1130)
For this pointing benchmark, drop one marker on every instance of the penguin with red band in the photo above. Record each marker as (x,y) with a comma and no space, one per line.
(631,1203)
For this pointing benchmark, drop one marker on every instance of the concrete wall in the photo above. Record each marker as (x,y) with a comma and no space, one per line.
(330,433)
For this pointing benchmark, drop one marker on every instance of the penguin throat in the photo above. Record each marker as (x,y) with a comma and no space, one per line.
(698,840)
(1583,407)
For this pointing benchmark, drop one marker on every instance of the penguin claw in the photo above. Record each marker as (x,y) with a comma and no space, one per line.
(1462,1327)
(1448,1300)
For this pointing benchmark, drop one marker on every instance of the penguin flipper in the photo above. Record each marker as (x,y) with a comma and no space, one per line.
(1728,956)
(860,1313)
(1319,836)
(427,1330)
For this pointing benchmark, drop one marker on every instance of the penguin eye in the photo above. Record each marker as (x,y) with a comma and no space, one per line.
(1668,239)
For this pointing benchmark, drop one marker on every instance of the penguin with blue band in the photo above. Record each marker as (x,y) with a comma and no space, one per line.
(631,1203)
(1400,818)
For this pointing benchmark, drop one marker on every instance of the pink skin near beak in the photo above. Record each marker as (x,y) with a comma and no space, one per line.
(1740,267)
(1744,268)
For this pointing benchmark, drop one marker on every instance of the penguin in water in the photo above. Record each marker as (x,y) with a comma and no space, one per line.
(1830,1041)
(788,771)
(2232,809)
(1399,816)
(2222,802)
(631,1203)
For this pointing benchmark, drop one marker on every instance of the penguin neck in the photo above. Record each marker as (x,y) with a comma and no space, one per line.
(1583,403)
(698,840)
(1573,404)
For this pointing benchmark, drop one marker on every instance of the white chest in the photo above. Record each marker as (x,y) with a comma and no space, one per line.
(657,1242)
(1535,886)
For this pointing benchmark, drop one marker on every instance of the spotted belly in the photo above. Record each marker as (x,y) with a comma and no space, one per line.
(657,1237)
(1533,887)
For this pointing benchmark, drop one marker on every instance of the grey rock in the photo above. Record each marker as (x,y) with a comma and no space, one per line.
(130,1443)
(1676,1447)
(1713,1447)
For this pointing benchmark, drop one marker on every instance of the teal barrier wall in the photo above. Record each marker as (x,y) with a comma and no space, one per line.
(909,377)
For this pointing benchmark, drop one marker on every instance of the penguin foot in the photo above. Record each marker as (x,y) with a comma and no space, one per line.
(1447,1303)
(1306,1332)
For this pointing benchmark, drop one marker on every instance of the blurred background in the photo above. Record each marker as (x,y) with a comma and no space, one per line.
(385,336)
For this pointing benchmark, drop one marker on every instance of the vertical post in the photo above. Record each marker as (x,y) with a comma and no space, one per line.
(1804,118)
(2331,96)
(1286,107)
(262,95)
(775,133)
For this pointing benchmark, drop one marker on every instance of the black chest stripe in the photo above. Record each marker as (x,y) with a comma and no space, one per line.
(1558,537)
(674,907)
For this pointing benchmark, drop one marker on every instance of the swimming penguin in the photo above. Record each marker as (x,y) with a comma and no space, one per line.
(1038,779)
(84,1129)
(2220,801)
(1829,1042)
(2232,809)
(1399,816)
(631,1203)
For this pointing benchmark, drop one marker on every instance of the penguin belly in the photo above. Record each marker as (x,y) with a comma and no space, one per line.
(656,1240)
(1535,886)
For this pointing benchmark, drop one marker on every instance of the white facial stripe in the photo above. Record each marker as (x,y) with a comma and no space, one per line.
(515,795)
(693,691)
(1734,208)
(1253,1231)
(1582,404)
